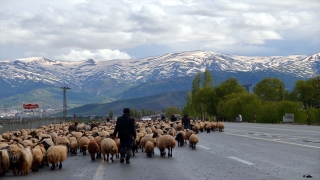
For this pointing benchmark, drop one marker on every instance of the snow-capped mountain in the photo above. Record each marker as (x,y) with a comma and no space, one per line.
(115,76)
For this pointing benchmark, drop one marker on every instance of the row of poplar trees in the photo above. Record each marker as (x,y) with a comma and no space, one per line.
(268,103)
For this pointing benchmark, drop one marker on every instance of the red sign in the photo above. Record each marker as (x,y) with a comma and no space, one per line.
(30,106)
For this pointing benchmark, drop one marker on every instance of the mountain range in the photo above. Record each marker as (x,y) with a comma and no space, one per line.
(38,79)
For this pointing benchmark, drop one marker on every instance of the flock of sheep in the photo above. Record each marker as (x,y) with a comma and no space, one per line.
(30,149)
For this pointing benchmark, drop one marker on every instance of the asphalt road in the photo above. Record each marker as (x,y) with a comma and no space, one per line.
(243,152)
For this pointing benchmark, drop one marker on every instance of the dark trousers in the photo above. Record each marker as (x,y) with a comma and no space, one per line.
(125,148)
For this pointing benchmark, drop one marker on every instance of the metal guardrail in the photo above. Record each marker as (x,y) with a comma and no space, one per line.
(14,124)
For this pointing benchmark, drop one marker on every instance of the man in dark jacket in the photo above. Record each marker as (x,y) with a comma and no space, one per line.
(186,122)
(125,126)
(173,118)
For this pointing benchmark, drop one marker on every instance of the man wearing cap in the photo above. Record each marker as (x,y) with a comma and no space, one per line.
(125,127)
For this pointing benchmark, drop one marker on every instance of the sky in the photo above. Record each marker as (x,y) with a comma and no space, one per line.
(73,30)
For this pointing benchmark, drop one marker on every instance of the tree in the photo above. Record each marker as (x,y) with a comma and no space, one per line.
(239,103)
(203,101)
(111,114)
(172,110)
(269,89)
(229,86)
(304,92)
(207,79)
(196,83)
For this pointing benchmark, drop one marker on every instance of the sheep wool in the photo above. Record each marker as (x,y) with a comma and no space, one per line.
(93,148)
(4,161)
(149,148)
(83,144)
(165,142)
(56,154)
(193,140)
(221,126)
(108,146)
(23,161)
(37,158)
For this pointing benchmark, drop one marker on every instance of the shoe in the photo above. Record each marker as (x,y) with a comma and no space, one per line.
(163,153)
(128,161)
(122,160)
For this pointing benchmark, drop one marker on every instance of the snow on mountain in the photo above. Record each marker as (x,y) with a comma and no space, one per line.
(136,71)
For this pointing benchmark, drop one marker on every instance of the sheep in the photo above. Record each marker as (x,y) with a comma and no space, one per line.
(172,132)
(93,148)
(149,148)
(220,126)
(207,127)
(188,134)
(22,161)
(108,146)
(196,128)
(201,124)
(148,137)
(56,154)
(193,140)
(164,142)
(83,144)
(4,160)
(62,140)
(37,154)
(47,142)
(104,134)
(181,137)
(73,147)
(213,126)
(117,140)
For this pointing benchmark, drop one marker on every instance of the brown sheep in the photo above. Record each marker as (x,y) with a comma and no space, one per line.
(193,140)
(164,142)
(83,144)
(93,148)
(37,155)
(149,148)
(4,160)
(220,126)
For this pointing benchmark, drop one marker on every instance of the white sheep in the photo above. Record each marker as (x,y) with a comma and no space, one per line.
(108,146)
(193,140)
(56,154)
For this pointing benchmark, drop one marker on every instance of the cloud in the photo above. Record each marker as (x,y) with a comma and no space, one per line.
(101,54)
(84,28)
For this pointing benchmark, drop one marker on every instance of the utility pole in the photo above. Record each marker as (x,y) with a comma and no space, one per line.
(280,92)
(65,102)
(247,87)
(5,110)
(317,97)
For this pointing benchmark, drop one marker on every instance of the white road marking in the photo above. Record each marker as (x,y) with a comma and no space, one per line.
(76,175)
(240,160)
(274,140)
(203,147)
(97,174)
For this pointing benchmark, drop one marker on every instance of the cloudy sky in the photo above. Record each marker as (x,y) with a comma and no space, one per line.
(73,30)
